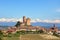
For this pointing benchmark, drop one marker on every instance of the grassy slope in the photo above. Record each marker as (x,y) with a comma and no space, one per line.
(32,37)
(11,38)
(35,37)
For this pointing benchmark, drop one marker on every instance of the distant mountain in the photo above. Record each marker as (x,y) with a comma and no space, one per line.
(43,24)
(46,25)
(7,23)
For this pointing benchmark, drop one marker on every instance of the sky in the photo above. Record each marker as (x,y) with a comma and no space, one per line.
(40,9)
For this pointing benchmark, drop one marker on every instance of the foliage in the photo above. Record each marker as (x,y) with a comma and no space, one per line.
(1,35)
(22,32)
(54,33)
(17,34)
(40,31)
(18,24)
(0,38)
(9,35)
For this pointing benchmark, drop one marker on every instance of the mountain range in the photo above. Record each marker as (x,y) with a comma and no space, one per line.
(43,24)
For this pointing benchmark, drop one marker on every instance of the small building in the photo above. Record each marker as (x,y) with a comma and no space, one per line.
(53,29)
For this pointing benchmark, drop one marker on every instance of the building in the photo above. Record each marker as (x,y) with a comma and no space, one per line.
(24,19)
(53,29)
(28,21)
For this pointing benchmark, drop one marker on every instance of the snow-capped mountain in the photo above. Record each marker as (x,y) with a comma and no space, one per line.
(34,22)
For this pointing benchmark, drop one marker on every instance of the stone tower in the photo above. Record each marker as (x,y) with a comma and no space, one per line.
(28,21)
(24,19)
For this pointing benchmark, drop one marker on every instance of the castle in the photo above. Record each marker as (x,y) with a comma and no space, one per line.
(26,26)
(26,21)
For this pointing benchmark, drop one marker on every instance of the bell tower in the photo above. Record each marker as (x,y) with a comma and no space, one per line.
(28,21)
(24,19)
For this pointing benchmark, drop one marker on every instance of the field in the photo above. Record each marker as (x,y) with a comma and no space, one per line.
(28,36)
(38,37)
(10,38)
(32,37)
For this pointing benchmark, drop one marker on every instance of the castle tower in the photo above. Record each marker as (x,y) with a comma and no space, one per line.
(24,19)
(28,21)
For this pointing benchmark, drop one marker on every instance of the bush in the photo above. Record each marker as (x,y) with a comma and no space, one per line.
(9,35)
(1,33)
(40,31)
(54,33)
(22,32)
(18,32)
(0,38)
(18,24)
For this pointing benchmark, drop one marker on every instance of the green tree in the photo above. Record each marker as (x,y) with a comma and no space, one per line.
(23,32)
(54,33)
(40,31)
(0,38)
(1,35)
(18,24)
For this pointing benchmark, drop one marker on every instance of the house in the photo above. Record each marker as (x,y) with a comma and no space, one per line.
(52,29)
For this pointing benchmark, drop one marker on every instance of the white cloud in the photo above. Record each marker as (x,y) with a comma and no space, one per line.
(32,20)
(38,20)
(57,21)
(47,21)
(10,20)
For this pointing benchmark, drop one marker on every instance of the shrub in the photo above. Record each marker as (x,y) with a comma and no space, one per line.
(23,32)
(1,33)
(40,31)
(54,33)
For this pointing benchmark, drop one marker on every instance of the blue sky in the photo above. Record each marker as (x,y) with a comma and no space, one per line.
(42,9)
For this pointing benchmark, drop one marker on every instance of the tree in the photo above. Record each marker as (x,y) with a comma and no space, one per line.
(40,31)
(54,33)
(1,35)
(18,24)
(0,38)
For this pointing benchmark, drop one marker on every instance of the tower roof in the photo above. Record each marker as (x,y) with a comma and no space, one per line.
(24,16)
(28,19)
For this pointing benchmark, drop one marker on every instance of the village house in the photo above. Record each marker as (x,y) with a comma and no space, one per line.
(52,29)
